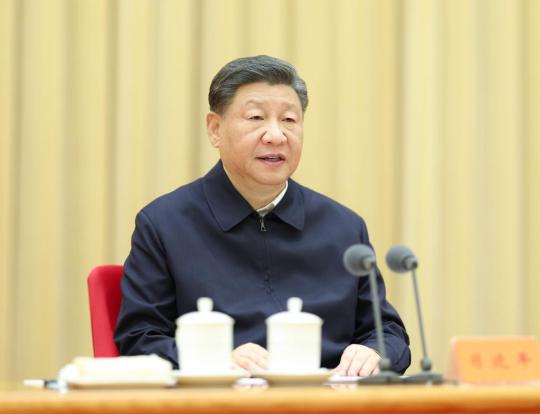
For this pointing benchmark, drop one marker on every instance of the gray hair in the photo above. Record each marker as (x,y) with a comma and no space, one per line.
(253,69)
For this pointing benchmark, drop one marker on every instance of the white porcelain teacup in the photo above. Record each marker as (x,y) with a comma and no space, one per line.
(204,340)
(294,339)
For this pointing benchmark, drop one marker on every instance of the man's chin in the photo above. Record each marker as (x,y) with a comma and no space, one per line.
(277,177)
(273,181)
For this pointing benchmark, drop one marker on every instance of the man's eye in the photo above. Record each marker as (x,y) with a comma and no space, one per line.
(288,119)
(256,118)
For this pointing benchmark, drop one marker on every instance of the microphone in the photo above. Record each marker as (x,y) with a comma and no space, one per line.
(359,260)
(401,259)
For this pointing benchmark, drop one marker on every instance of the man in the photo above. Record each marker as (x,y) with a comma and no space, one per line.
(249,237)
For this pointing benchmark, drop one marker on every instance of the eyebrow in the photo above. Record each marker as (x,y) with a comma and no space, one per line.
(289,105)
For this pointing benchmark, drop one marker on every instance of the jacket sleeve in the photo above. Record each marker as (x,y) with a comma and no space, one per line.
(146,323)
(396,339)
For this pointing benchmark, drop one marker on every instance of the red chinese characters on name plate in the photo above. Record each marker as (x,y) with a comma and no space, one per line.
(495,359)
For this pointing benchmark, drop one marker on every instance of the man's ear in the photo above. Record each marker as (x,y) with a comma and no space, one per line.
(213,121)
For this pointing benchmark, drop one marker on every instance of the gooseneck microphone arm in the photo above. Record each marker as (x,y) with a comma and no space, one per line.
(401,259)
(384,363)
(426,361)
(360,260)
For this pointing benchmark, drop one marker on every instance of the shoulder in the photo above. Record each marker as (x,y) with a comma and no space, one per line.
(320,205)
(183,199)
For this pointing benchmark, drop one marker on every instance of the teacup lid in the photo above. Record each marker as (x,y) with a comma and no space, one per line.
(204,315)
(294,315)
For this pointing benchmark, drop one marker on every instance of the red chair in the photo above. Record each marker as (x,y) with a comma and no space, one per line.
(105,299)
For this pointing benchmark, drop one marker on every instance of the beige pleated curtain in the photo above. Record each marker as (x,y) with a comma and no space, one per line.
(424,118)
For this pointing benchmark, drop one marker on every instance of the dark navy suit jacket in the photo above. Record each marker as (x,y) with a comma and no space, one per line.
(204,239)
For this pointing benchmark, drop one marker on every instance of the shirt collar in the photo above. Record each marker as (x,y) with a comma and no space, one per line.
(263,211)
(230,208)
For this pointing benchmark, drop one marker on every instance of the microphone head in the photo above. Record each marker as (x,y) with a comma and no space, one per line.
(401,259)
(359,259)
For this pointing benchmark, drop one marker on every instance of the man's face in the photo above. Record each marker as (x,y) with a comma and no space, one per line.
(259,136)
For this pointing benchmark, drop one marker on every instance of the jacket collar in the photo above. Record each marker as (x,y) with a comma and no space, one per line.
(230,208)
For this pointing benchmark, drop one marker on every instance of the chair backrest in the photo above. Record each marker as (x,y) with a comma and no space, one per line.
(105,297)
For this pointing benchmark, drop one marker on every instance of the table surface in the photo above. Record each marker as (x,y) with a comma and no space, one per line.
(358,399)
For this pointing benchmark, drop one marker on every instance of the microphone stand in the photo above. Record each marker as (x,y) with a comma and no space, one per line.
(426,376)
(386,375)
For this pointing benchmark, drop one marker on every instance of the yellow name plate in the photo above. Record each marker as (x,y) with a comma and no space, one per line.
(490,360)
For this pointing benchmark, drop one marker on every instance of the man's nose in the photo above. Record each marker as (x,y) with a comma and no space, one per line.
(274,134)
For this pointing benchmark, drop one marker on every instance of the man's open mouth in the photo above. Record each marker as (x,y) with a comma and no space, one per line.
(272,158)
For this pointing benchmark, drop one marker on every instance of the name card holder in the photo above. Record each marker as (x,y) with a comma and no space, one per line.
(495,360)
